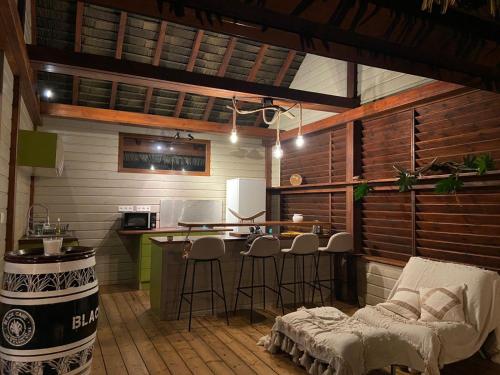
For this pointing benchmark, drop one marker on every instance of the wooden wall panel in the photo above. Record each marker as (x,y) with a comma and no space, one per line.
(312,161)
(386,225)
(312,206)
(385,141)
(338,211)
(338,152)
(464,227)
(449,130)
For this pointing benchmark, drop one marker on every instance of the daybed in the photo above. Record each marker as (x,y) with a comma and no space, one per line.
(328,342)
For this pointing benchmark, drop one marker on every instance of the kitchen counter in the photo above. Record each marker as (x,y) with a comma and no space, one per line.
(138,245)
(167,269)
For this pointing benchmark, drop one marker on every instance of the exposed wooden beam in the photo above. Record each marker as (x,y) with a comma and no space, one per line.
(387,34)
(149,121)
(220,73)
(406,99)
(80,6)
(134,73)
(189,68)
(258,62)
(33,22)
(11,193)
(352,80)
(252,74)
(118,55)
(12,42)
(156,61)
(279,78)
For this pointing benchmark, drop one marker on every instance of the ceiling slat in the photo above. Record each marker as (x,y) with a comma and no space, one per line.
(279,78)
(156,62)
(80,6)
(190,66)
(220,73)
(118,54)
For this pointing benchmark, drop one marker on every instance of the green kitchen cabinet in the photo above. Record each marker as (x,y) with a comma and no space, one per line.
(42,151)
(144,259)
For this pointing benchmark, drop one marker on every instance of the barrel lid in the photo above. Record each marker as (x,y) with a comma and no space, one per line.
(36,255)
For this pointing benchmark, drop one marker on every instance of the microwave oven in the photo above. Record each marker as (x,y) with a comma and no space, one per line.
(139,220)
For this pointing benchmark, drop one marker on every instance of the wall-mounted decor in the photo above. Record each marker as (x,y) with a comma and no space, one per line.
(140,153)
(295,179)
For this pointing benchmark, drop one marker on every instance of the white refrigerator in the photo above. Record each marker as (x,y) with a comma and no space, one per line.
(246,196)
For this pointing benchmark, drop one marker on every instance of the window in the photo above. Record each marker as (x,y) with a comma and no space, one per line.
(154,154)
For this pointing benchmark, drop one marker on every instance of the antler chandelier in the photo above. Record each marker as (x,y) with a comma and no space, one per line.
(271,114)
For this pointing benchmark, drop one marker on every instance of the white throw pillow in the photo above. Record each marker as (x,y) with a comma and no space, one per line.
(404,302)
(444,304)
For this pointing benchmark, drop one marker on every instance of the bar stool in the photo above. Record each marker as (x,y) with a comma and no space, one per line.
(303,245)
(263,247)
(339,245)
(204,249)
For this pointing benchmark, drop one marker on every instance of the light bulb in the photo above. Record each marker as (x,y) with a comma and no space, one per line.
(152,167)
(159,147)
(299,141)
(277,151)
(48,93)
(234,137)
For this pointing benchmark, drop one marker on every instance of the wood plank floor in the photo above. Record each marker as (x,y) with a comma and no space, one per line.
(131,340)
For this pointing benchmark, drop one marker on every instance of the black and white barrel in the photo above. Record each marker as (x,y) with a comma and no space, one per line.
(49,307)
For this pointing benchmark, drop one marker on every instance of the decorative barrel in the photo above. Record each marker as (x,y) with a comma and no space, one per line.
(49,307)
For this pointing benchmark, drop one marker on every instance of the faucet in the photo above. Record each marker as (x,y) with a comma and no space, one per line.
(29,218)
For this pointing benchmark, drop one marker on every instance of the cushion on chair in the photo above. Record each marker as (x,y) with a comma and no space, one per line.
(443,304)
(404,302)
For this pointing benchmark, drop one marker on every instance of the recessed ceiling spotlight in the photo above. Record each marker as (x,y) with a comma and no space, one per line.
(171,148)
(48,93)
(152,167)
(177,135)
(159,147)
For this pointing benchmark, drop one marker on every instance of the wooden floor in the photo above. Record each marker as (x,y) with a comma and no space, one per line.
(131,340)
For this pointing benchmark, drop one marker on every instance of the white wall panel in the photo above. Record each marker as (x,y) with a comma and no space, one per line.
(89,192)
(375,281)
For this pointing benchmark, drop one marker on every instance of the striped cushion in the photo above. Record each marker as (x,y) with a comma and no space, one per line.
(404,302)
(442,304)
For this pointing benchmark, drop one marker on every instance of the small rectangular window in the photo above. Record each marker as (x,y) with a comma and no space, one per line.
(155,154)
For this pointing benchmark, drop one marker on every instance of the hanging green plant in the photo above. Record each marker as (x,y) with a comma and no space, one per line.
(406,179)
(362,191)
(450,185)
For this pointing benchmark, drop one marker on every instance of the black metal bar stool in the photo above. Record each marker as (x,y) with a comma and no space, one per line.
(204,249)
(304,245)
(339,245)
(265,247)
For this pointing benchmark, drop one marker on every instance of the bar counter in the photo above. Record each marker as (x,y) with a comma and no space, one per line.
(167,269)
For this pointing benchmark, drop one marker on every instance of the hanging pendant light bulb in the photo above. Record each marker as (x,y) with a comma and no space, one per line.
(299,141)
(234,136)
(277,150)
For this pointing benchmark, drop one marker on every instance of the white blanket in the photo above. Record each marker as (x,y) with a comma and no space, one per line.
(326,341)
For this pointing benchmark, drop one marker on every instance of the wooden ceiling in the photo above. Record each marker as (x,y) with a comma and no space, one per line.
(105,58)
(461,46)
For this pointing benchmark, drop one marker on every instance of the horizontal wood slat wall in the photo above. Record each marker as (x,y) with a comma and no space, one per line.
(312,161)
(464,227)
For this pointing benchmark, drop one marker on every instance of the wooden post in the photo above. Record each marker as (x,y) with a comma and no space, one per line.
(11,194)
(413,193)
(269,178)
(353,214)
